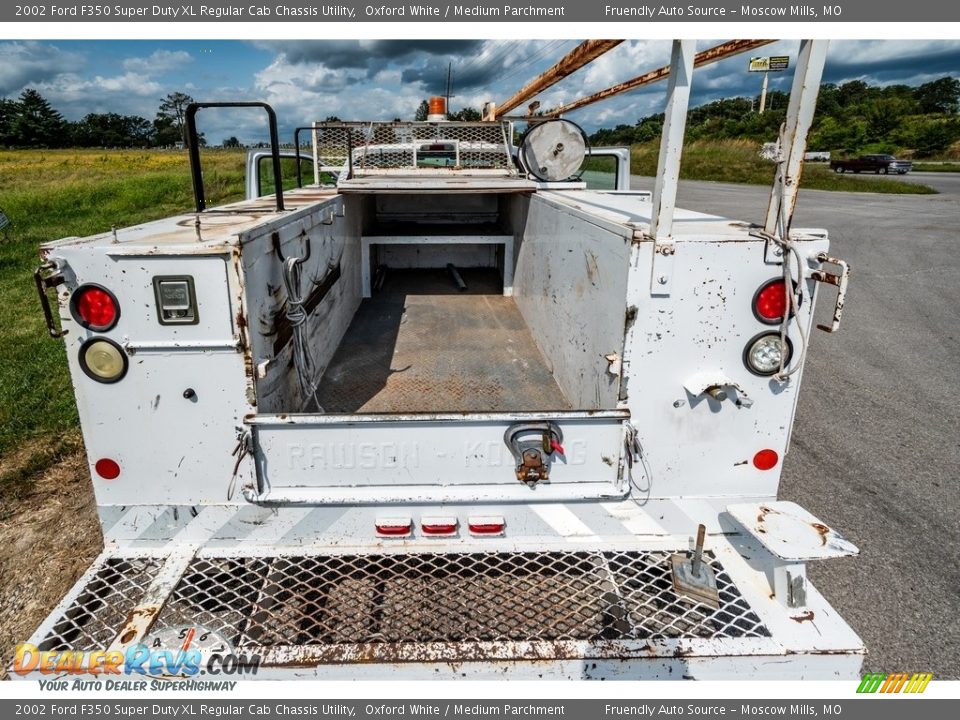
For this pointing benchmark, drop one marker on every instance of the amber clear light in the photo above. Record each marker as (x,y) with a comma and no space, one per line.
(763,355)
(104,360)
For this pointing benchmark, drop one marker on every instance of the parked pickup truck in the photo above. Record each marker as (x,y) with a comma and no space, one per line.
(872,163)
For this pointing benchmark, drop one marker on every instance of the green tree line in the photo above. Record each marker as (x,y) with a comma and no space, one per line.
(31,121)
(851,118)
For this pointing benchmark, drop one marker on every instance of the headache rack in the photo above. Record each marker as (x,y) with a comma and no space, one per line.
(359,149)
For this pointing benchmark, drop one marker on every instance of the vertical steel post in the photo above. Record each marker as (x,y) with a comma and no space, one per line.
(671,142)
(803,104)
(316,156)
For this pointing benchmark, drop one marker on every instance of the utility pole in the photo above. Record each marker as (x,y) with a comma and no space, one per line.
(763,92)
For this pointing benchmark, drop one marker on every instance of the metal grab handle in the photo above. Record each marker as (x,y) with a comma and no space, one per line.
(840,281)
(194,147)
(44,283)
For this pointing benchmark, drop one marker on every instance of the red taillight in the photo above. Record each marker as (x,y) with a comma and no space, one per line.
(486,525)
(394,527)
(107,469)
(770,303)
(766,459)
(95,308)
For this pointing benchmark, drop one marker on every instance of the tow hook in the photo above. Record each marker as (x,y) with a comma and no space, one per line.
(840,280)
(533,446)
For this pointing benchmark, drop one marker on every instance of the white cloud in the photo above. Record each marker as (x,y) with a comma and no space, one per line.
(158,62)
(30,63)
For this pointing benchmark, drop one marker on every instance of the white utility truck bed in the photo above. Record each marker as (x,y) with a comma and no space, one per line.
(445,420)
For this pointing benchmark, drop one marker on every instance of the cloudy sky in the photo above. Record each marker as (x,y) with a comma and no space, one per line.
(383,79)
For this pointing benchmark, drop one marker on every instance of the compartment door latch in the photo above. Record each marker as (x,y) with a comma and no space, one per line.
(534,446)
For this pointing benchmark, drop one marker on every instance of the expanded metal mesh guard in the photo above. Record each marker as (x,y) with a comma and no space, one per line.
(371,148)
(450,597)
(92,620)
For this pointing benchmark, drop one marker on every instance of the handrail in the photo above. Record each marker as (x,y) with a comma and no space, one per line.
(296,144)
(196,170)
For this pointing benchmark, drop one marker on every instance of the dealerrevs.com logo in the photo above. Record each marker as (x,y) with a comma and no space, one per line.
(164,655)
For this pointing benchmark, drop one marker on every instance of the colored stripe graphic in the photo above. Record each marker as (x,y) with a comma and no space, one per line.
(919,682)
(894,682)
(870,683)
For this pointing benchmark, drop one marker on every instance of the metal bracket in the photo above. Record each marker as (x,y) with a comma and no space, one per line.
(693,578)
(772,253)
(840,281)
(790,585)
(661,273)
(717,385)
(47,276)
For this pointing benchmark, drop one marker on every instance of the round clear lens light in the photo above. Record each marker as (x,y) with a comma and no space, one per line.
(104,360)
(764,354)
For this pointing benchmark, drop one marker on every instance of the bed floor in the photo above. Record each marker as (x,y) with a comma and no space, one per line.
(420,345)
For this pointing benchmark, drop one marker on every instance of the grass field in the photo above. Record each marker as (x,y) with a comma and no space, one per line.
(937,166)
(737,161)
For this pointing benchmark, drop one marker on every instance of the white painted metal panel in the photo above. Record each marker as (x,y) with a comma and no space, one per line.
(170,448)
(570,285)
(695,444)
(437,451)
(790,532)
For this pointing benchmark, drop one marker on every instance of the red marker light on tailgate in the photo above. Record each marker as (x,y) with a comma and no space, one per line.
(438,526)
(95,307)
(394,527)
(766,459)
(770,303)
(490,525)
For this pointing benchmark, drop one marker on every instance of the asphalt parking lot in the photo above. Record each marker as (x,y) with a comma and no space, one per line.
(876,445)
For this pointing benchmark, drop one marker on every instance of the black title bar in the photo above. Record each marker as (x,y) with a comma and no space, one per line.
(572,11)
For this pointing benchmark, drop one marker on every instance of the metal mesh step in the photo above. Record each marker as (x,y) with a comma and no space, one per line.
(397,599)
(91,621)
(449,597)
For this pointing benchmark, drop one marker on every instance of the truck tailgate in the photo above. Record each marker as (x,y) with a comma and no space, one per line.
(429,458)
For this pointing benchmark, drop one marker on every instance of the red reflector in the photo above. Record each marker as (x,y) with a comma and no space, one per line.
(393,529)
(486,528)
(439,529)
(95,308)
(486,525)
(107,469)
(770,304)
(765,459)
